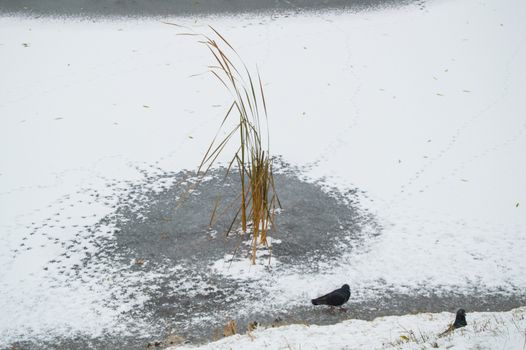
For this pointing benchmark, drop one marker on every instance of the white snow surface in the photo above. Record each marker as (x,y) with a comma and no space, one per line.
(422,110)
(485,330)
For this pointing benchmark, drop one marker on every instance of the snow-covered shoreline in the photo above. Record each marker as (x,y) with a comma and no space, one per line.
(485,330)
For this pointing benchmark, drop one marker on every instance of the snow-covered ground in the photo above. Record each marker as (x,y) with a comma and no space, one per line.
(485,330)
(421,109)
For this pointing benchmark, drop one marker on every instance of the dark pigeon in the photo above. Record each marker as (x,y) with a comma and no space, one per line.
(337,297)
(460,321)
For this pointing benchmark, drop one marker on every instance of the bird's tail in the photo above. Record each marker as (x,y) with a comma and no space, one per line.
(319,301)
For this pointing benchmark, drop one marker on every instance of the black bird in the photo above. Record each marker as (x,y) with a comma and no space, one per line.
(337,297)
(460,321)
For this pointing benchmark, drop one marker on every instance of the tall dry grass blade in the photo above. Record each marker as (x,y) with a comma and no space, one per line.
(203,161)
(227,208)
(174,24)
(214,212)
(241,167)
(222,38)
(218,77)
(187,34)
(212,156)
(232,223)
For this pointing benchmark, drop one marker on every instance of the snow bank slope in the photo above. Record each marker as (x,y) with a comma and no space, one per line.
(485,330)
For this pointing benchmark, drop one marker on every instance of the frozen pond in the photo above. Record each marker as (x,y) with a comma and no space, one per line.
(400,134)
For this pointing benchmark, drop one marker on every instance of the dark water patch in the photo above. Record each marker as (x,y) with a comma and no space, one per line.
(136,8)
(83,342)
(173,226)
(165,233)
(392,303)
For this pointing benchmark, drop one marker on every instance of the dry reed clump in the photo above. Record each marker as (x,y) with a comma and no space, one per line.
(257,199)
(230,328)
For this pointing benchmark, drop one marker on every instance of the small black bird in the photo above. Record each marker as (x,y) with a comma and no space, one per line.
(337,297)
(460,321)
